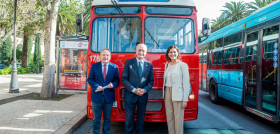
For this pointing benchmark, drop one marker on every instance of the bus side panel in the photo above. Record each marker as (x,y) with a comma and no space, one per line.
(232,94)
(232,78)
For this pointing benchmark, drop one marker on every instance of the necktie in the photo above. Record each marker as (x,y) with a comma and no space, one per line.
(140,69)
(104,72)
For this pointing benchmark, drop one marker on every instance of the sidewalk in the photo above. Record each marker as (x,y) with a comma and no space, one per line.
(19,115)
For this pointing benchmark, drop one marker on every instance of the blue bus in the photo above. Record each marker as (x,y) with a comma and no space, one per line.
(243,63)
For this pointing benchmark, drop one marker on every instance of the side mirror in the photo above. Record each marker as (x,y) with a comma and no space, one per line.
(206,29)
(79,22)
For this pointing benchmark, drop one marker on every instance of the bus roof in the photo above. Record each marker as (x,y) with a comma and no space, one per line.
(262,15)
(143,2)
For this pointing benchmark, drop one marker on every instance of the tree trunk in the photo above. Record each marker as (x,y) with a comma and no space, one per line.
(24,48)
(49,45)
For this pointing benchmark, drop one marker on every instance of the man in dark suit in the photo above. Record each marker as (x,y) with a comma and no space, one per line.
(138,80)
(103,78)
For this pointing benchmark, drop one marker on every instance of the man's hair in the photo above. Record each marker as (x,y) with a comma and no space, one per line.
(141,44)
(168,50)
(105,49)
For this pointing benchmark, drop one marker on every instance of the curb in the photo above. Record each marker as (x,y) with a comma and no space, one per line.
(17,97)
(74,123)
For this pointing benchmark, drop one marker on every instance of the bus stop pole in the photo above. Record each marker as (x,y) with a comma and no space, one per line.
(14,80)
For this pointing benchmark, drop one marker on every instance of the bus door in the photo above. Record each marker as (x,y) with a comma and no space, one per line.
(261,70)
(251,70)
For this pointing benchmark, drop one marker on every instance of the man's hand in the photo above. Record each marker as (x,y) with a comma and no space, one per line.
(110,85)
(139,91)
(99,88)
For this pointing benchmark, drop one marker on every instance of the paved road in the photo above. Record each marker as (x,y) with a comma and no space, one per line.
(227,118)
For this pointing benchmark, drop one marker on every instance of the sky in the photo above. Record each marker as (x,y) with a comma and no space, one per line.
(211,9)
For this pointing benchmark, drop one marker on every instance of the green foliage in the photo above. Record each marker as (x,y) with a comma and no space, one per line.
(66,19)
(21,70)
(86,16)
(37,51)
(7,52)
(5,71)
(29,48)
(235,11)
(19,55)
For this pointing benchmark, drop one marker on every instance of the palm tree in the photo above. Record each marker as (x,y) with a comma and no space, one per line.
(234,11)
(219,23)
(253,6)
(66,20)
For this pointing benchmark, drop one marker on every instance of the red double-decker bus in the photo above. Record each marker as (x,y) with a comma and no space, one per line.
(120,25)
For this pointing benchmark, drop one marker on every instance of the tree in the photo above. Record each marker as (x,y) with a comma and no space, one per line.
(254,6)
(66,20)
(37,50)
(86,16)
(234,11)
(51,7)
(7,50)
(29,48)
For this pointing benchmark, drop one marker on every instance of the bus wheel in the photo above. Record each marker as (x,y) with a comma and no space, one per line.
(213,92)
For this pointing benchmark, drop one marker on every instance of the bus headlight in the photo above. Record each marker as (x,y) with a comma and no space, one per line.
(191,97)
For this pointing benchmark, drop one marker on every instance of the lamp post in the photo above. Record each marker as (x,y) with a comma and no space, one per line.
(14,80)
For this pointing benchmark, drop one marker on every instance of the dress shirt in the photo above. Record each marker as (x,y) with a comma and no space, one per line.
(142,65)
(103,68)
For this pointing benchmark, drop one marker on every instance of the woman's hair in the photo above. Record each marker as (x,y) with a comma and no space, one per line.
(168,50)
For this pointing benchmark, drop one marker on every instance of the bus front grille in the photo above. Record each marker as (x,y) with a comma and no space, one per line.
(153,94)
(151,106)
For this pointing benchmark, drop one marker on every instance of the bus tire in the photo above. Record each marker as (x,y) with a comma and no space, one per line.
(213,92)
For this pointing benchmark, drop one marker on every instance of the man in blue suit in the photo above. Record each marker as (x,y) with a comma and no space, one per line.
(103,78)
(138,80)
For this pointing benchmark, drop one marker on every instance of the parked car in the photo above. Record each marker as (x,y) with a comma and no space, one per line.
(2,66)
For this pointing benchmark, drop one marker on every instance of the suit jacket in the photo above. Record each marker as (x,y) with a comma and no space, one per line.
(131,79)
(96,79)
(180,82)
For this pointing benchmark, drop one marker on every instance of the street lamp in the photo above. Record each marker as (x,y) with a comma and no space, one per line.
(14,80)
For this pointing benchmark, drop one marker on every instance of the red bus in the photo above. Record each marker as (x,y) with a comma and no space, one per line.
(120,25)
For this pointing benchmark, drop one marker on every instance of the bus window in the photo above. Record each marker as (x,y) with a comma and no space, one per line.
(160,32)
(169,10)
(114,11)
(233,39)
(251,50)
(220,57)
(227,54)
(117,34)
(200,58)
(234,55)
(268,50)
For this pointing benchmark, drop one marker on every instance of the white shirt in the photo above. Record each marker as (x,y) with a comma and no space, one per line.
(142,63)
(106,68)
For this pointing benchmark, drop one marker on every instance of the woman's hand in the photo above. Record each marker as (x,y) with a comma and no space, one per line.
(184,104)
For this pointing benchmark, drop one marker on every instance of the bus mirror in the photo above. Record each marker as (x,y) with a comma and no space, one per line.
(206,29)
(79,22)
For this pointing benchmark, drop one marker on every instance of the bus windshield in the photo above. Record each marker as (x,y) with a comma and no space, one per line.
(119,34)
(162,32)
